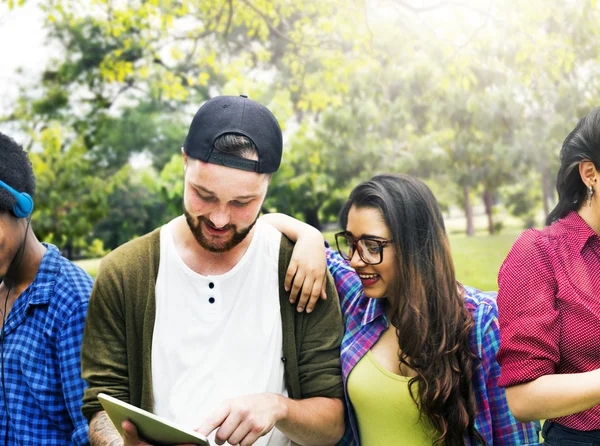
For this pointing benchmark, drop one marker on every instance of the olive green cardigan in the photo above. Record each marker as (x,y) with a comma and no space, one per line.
(117,340)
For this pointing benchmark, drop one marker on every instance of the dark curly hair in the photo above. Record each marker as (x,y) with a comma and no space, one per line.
(15,170)
(432,323)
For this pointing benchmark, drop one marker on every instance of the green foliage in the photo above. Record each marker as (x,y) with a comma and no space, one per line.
(498,227)
(474,100)
(135,207)
(171,185)
(12,3)
(95,249)
(141,129)
(523,200)
(318,169)
(70,196)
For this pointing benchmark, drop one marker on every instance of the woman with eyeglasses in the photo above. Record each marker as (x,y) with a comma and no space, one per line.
(418,356)
(549,302)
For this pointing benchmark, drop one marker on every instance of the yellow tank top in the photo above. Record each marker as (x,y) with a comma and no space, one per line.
(386,413)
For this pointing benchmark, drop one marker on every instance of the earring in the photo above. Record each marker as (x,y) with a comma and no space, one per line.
(590,194)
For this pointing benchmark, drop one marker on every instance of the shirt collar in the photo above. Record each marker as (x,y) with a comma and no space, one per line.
(375,308)
(41,288)
(578,230)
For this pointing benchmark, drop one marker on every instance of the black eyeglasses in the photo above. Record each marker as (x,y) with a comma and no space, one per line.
(370,249)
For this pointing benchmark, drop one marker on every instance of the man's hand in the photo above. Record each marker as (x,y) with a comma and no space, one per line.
(244,420)
(131,436)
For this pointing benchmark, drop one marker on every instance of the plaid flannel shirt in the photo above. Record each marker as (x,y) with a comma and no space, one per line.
(41,357)
(366,320)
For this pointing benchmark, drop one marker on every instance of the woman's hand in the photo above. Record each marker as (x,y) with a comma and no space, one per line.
(306,275)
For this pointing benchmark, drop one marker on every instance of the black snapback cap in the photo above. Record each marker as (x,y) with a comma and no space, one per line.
(238,115)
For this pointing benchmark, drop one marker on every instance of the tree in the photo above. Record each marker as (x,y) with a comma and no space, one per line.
(472,95)
(70,198)
(131,74)
(135,207)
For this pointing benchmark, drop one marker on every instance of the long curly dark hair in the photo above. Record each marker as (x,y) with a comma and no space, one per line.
(431,320)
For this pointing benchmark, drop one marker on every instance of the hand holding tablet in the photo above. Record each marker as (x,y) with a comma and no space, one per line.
(154,429)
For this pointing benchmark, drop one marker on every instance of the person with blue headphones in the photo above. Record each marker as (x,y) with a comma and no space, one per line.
(43,304)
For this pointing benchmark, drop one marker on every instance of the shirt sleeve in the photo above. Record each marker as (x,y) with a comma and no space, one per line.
(505,428)
(69,344)
(104,350)
(319,368)
(529,325)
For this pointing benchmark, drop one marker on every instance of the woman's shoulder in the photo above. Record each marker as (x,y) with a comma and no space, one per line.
(535,240)
(485,334)
(535,252)
(481,305)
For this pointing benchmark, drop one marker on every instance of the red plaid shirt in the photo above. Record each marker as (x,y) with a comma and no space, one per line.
(549,305)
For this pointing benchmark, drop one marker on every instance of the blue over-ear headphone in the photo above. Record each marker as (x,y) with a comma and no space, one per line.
(24,205)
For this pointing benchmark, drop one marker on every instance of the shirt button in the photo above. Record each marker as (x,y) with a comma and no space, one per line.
(211,285)
(211,300)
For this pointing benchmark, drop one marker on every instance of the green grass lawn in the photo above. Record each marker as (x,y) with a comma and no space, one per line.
(478,259)
(89,265)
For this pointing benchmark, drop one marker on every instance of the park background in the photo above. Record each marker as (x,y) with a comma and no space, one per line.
(473,96)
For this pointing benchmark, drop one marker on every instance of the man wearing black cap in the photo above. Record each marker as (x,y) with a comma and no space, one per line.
(192,321)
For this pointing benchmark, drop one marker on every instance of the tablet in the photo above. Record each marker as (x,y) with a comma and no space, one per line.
(152,428)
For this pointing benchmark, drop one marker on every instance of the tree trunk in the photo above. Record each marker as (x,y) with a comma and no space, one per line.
(468,212)
(311,216)
(487,201)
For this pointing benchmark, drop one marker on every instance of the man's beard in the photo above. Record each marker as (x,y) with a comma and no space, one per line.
(195,225)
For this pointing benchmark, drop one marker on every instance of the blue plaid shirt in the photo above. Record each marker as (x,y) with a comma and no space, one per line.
(366,321)
(41,357)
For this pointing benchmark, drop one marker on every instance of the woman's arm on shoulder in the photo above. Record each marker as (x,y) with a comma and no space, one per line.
(306,274)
